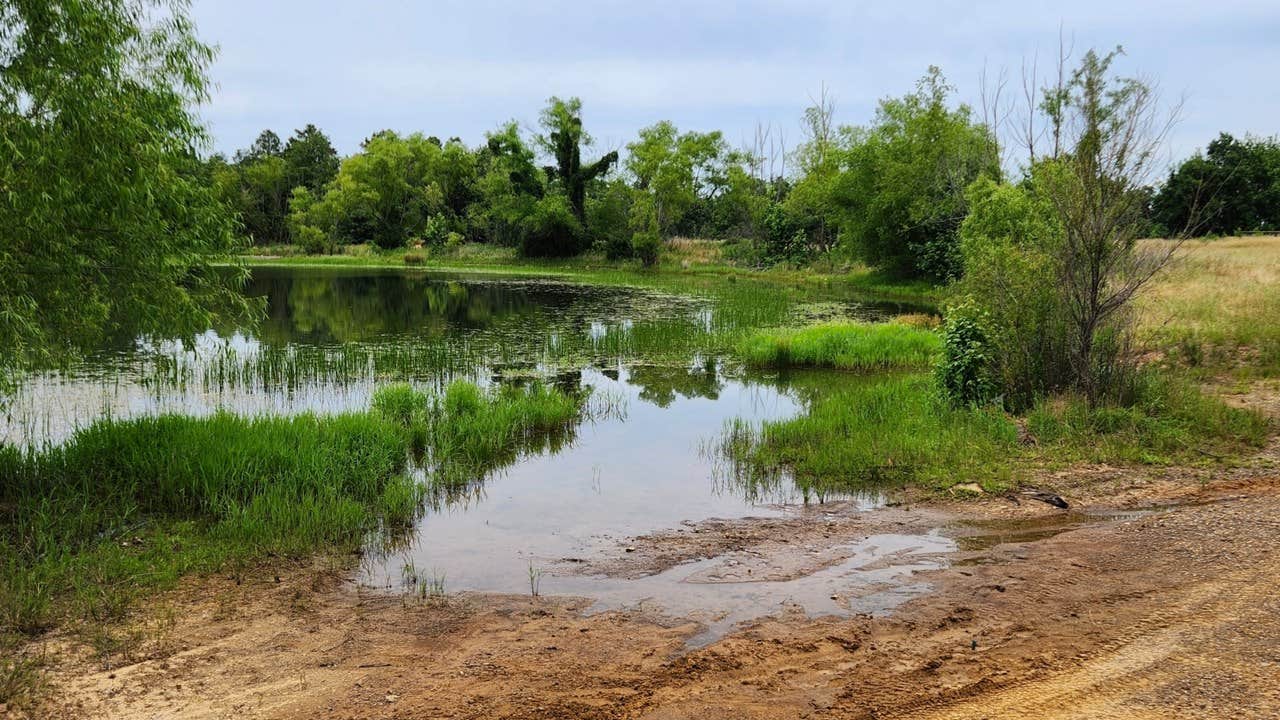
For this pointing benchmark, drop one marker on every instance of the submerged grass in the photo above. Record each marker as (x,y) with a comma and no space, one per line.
(843,346)
(124,507)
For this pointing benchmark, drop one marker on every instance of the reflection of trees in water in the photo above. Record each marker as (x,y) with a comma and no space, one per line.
(326,309)
(661,384)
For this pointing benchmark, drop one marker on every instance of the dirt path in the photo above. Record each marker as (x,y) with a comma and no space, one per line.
(1170,614)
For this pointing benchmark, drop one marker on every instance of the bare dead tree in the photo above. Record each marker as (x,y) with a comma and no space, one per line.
(1055,97)
(1026,132)
(996,108)
(819,131)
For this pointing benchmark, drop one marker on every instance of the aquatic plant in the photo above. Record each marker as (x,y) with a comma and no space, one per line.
(843,346)
(124,505)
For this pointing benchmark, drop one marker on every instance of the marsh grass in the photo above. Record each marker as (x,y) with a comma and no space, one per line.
(126,506)
(843,346)
(878,432)
(865,434)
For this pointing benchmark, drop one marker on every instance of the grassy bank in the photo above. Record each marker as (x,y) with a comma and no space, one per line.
(874,432)
(683,262)
(127,506)
(843,346)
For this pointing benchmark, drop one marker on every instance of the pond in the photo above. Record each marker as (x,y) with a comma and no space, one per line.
(656,358)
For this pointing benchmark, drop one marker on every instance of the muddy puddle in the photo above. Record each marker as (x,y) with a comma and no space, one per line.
(975,539)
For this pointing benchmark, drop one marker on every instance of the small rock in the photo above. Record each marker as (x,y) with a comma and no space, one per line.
(392,697)
(630,549)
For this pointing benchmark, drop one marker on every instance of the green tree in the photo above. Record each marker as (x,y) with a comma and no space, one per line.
(1234,186)
(393,190)
(901,189)
(564,139)
(266,145)
(264,198)
(508,187)
(311,160)
(109,227)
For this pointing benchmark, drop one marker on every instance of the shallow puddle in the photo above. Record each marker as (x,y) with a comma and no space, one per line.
(982,535)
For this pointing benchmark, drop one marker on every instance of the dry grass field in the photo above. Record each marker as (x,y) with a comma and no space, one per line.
(1218,304)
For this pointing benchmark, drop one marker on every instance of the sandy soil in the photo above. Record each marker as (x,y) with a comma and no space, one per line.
(1171,613)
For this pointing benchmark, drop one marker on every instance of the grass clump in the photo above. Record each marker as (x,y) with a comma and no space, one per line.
(864,434)
(880,431)
(126,506)
(466,433)
(843,346)
(1166,421)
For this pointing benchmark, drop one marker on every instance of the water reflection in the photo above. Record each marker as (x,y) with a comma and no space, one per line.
(330,338)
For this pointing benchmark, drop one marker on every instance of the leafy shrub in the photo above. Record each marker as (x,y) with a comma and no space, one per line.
(784,239)
(313,240)
(646,246)
(551,230)
(609,220)
(436,230)
(1010,288)
(964,371)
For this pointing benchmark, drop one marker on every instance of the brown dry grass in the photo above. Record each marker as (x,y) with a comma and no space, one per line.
(1220,300)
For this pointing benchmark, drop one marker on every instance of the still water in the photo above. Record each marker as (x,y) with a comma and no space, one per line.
(658,356)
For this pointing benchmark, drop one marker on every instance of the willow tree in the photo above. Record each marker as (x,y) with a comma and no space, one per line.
(106,227)
(564,139)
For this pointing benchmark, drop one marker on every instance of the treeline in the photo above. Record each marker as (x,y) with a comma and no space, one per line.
(891,193)
(1232,187)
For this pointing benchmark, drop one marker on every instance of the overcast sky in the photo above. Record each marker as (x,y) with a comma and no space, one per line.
(461,68)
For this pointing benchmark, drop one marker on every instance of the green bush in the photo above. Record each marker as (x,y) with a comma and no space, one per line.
(551,230)
(313,240)
(1010,293)
(965,369)
(647,246)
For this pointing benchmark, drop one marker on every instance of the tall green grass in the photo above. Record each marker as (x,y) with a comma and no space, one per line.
(1168,420)
(466,433)
(843,346)
(861,435)
(878,431)
(126,506)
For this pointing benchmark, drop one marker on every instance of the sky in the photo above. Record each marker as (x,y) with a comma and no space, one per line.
(461,68)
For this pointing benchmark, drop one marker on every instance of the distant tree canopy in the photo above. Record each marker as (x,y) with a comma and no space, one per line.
(891,194)
(1234,186)
(900,195)
(109,223)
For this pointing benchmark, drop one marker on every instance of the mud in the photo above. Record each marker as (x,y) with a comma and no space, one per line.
(1171,612)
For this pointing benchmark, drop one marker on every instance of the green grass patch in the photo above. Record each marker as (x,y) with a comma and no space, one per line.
(843,346)
(877,432)
(1168,421)
(126,506)
(865,434)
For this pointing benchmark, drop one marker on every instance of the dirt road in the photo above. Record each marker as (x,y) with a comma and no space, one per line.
(1166,614)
